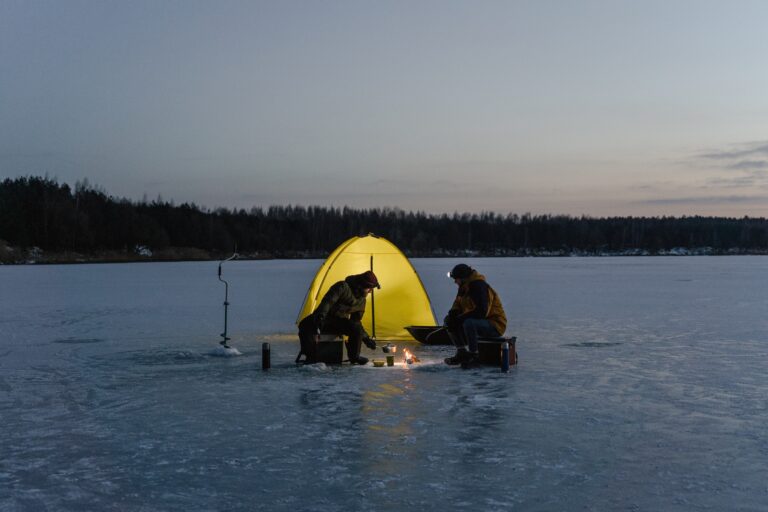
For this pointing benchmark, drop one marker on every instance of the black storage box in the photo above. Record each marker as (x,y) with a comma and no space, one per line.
(330,349)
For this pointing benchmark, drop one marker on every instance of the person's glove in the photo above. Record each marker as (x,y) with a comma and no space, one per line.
(369,342)
(451,316)
(452,322)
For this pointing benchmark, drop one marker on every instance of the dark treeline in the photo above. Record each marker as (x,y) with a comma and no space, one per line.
(40,212)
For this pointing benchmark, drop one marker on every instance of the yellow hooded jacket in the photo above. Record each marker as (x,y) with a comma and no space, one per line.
(464,304)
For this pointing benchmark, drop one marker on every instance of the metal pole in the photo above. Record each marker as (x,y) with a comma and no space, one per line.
(373,306)
(225,339)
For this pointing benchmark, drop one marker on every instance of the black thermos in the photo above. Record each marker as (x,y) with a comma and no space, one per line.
(265,356)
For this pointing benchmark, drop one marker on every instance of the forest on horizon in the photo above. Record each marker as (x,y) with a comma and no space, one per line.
(40,216)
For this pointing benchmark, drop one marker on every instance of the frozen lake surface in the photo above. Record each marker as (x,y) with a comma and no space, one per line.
(643,385)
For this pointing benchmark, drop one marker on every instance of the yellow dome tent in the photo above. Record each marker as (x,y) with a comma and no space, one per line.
(402,300)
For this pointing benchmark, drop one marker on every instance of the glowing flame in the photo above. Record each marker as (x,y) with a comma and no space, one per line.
(408,357)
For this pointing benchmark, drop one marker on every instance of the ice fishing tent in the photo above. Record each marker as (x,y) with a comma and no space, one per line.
(402,299)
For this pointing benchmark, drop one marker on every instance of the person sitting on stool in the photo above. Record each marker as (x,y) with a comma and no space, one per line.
(476,312)
(340,313)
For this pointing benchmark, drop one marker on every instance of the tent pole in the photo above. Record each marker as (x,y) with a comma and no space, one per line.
(373,306)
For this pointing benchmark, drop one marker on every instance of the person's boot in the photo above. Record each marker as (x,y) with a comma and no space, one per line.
(471,361)
(353,353)
(308,347)
(458,358)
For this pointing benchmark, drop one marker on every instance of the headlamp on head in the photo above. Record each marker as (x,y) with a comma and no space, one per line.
(460,271)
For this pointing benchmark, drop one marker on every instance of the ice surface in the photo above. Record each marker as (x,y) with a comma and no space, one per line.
(642,386)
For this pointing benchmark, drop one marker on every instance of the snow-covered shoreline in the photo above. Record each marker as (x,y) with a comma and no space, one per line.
(36,256)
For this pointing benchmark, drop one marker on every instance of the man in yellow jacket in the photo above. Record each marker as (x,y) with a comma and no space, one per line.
(476,312)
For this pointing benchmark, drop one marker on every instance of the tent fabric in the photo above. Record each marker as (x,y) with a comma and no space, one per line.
(402,299)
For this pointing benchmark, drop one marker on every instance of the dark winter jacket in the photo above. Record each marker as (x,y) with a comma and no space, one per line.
(476,299)
(345,299)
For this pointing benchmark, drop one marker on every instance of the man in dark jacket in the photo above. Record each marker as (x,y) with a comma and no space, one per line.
(476,311)
(340,313)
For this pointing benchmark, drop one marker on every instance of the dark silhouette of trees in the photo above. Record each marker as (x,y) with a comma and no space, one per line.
(40,212)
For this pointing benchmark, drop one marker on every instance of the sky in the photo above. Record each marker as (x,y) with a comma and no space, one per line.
(597,108)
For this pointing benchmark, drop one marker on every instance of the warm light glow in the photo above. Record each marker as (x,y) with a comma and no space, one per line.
(409,357)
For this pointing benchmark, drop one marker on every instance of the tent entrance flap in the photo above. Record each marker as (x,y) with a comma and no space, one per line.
(402,299)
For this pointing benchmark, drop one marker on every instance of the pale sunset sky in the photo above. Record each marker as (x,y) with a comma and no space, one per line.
(578,107)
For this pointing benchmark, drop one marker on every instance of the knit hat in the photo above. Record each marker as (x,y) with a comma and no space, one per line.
(368,280)
(460,271)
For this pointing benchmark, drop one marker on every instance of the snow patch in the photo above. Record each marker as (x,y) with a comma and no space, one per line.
(316,367)
(222,351)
